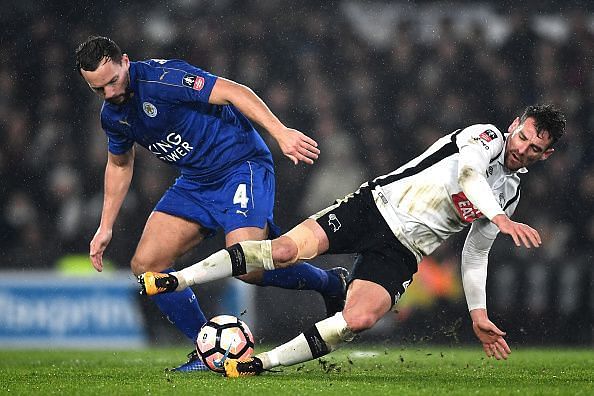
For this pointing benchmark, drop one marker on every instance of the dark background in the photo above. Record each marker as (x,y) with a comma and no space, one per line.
(373,82)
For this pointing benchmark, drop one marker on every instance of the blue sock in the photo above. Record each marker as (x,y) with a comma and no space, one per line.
(303,276)
(182,309)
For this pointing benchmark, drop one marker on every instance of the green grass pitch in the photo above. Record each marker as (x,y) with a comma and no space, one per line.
(360,370)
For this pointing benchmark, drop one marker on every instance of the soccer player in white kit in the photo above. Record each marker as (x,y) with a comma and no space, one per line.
(469,177)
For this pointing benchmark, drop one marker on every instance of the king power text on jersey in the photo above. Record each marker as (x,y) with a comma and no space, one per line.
(172,148)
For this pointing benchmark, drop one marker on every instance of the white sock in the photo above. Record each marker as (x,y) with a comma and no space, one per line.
(333,332)
(295,351)
(256,255)
(215,266)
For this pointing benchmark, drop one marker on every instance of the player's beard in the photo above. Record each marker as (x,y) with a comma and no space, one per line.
(122,98)
(514,161)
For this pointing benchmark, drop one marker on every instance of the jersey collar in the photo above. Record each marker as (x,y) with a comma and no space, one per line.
(132,71)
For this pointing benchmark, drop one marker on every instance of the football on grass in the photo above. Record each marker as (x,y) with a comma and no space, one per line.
(222,337)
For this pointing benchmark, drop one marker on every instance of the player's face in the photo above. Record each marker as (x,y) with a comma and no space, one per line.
(524,147)
(110,80)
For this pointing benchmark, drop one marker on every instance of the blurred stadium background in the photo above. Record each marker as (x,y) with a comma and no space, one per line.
(373,82)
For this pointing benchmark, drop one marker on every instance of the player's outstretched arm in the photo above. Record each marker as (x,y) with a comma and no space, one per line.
(294,144)
(118,175)
(522,234)
(489,335)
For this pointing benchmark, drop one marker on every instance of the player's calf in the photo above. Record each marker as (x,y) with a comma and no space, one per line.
(319,340)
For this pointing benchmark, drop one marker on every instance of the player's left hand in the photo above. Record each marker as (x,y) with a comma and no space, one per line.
(522,234)
(298,146)
(489,335)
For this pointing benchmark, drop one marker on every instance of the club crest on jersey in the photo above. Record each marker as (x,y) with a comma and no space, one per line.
(488,135)
(467,211)
(194,82)
(149,109)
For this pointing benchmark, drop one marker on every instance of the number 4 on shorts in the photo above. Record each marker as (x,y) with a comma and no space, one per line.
(241,197)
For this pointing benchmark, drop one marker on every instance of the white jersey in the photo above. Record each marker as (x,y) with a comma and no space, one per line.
(422,201)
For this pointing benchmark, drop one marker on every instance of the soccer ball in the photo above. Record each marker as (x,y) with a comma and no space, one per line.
(222,337)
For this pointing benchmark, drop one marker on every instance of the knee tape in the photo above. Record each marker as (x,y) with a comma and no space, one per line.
(306,241)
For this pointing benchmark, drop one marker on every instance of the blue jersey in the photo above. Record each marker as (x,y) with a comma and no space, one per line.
(169,115)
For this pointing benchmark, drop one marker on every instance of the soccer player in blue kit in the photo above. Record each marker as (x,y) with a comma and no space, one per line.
(199,123)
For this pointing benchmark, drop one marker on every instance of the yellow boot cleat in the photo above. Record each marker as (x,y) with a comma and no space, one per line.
(242,368)
(152,283)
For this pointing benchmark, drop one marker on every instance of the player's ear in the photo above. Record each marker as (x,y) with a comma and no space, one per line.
(514,125)
(125,60)
(547,153)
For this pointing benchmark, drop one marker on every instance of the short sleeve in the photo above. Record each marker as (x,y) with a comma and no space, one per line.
(116,142)
(485,139)
(182,82)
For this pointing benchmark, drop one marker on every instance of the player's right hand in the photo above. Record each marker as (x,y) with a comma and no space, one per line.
(490,336)
(522,234)
(97,247)
(297,146)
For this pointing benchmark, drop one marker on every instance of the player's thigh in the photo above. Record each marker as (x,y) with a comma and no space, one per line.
(164,239)
(246,234)
(365,304)
(380,276)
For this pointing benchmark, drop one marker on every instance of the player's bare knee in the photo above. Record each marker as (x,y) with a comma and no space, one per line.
(360,321)
(284,252)
(140,265)
(300,243)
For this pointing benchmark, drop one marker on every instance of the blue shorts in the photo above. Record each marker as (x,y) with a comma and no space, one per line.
(242,198)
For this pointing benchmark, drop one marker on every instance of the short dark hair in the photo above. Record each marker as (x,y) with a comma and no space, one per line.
(546,118)
(90,53)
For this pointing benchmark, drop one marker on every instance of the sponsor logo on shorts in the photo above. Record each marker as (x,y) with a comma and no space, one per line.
(149,109)
(194,82)
(242,212)
(334,222)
